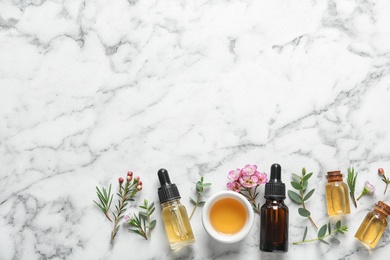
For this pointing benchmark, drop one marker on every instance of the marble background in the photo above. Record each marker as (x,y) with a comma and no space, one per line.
(90,89)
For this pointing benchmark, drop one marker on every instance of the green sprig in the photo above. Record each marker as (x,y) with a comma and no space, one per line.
(351,181)
(321,235)
(105,200)
(143,223)
(200,186)
(300,183)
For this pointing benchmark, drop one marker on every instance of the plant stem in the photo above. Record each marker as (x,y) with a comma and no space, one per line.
(196,206)
(304,206)
(387,184)
(149,231)
(252,199)
(315,239)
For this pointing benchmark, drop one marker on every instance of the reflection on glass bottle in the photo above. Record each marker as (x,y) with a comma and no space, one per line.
(174,214)
(373,225)
(337,199)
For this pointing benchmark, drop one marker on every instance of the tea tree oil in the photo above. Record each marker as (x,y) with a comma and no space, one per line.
(228,216)
(337,199)
(373,225)
(274,214)
(176,223)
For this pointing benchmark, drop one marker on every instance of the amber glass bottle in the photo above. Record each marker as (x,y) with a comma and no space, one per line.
(274,215)
(373,225)
(174,214)
(337,199)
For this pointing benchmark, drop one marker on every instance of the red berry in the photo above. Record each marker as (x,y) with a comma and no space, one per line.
(129,178)
(129,173)
(139,187)
(140,183)
(381,172)
(120,180)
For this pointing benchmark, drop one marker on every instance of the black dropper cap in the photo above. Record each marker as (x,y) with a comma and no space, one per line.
(167,191)
(275,188)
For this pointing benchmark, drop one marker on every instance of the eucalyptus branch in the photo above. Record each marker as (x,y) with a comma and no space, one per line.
(351,180)
(322,233)
(143,223)
(300,183)
(199,185)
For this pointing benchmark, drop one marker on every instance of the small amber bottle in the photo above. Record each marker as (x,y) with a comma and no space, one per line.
(373,225)
(337,199)
(274,214)
(174,214)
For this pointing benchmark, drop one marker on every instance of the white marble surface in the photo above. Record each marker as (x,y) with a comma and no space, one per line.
(90,89)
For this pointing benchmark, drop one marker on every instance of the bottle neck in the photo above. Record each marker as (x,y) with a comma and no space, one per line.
(170,203)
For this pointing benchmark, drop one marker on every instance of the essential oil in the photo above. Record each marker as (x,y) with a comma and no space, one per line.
(337,199)
(228,216)
(174,214)
(373,225)
(274,214)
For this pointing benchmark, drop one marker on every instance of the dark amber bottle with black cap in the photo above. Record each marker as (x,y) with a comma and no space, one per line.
(176,223)
(274,214)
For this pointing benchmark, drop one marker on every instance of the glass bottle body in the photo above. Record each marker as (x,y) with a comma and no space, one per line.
(177,225)
(274,226)
(371,229)
(337,199)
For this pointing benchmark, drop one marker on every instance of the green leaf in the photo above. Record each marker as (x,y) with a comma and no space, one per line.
(151,205)
(206,185)
(304,212)
(304,185)
(338,224)
(296,185)
(294,196)
(199,186)
(329,229)
(296,177)
(322,231)
(151,211)
(323,241)
(201,203)
(307,177)
(143,215)
(304,234)
(192,201)
(308,195)
(153,224)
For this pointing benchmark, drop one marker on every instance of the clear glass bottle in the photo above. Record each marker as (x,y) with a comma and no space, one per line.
(373,225)
(174,214)
(274,214)
(337,199)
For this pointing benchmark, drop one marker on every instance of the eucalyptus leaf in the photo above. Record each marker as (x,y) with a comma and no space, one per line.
(296,177)
(304,185)
(329,229)
(307,177)
(338,224)
(294,196)
(322,231)
(308,195)
(296,185)
(304,234)
(304,212)
(201,203)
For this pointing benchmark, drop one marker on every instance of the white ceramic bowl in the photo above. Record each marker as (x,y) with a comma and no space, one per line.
(223,238)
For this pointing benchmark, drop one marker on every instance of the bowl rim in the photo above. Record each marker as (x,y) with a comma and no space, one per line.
(227,239)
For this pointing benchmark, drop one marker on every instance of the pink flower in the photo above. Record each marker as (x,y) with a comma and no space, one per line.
(126,219)
(234,174)
(262,177)
(249,169)
(234,186)
(368,189)
(249,181)
(381,172)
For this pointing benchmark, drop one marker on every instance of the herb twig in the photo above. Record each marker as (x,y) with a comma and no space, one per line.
(105,200)
(125,193)
(351,180)
(300,183)
(143,223)
(322,233)
(251,196)
(200,185)
(381,172)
